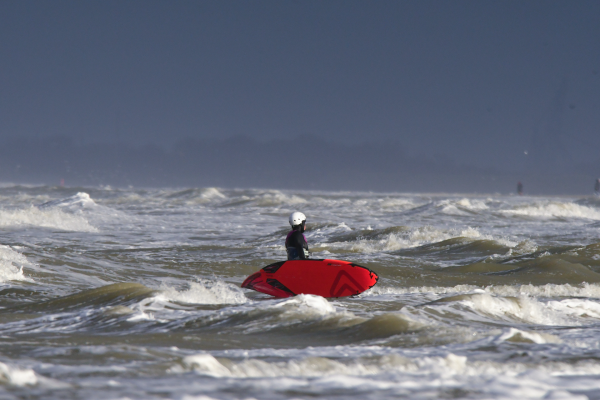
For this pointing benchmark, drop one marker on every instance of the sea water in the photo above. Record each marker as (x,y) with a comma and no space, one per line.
(135,294)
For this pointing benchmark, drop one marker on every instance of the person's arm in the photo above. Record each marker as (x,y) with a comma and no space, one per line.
(305,246)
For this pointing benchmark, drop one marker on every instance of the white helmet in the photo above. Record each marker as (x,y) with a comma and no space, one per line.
(297,218)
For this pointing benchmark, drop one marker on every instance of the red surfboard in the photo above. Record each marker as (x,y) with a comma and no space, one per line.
(326,278)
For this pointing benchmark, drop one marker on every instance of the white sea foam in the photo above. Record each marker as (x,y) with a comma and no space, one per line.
(473,233)
(267,198)
(414,237)
(45,218)
(396,204)
(205,364)
(416,376)
(24,198)
(517,335)
(548,290)
(77,202)
(11,265)
(522,309)
(140,312)
(577,307)
(203,397)
(64,214)
(305,307)
(17,376)
(392,241)
(160,306)
(554,209)
(380,289)
(318,234)
(212,193)
(276,198)
(462,206)
(299,309)
(526,246)
(205,292)
(567,312)
(418,367)
(204,196)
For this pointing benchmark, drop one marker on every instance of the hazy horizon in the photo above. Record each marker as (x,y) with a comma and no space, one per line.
(245,162)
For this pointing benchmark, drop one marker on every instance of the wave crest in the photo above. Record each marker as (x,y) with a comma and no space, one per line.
(17,376)
(555,209)
(11,265)
(45,218)
(205,292)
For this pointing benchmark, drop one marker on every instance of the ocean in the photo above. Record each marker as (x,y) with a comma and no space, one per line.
(111,293)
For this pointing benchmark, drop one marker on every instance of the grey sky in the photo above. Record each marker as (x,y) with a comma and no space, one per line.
(467,80)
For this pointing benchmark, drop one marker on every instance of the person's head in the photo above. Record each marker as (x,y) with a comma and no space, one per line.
(298,221)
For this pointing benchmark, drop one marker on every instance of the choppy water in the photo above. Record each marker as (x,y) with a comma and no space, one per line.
(113,294)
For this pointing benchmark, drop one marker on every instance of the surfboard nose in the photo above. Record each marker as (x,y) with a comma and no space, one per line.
(249,280)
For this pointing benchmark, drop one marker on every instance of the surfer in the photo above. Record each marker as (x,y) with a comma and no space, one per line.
(597,187)
(520,188)
(295,242)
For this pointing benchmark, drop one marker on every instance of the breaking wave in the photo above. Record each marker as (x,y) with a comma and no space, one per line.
(554,209)
(45,218)
(17,376)
(205,292)
(398,238)
(65,214)
(73,203)
(11,265)
(275,199)
(586,290)
(463,206)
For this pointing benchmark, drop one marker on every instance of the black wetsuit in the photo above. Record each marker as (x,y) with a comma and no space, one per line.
(295,243)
